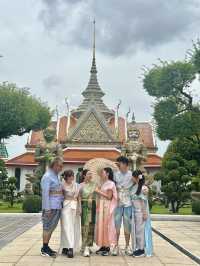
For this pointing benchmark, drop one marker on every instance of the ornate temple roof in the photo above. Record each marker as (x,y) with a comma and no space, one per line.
(90,131)
(145,128)
(93,93)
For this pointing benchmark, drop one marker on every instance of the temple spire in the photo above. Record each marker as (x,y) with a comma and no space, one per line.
(94,68)
(93,93)
(94,39)
(93,88)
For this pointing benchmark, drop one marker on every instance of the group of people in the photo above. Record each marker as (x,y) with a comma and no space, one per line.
(93,213)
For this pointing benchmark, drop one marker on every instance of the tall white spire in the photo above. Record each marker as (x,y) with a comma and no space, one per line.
(93,92)
(94,38)
(93,68)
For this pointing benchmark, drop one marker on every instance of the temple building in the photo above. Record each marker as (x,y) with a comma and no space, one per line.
(92,130)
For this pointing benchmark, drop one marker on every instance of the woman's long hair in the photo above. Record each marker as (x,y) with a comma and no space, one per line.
(141,182)
(109,171)
(84,173)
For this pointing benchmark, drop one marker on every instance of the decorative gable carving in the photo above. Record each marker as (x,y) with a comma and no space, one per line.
(92,128)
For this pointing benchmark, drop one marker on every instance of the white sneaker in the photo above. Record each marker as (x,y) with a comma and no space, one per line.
(86,252)
(128,251)
(115,251)
(90,251)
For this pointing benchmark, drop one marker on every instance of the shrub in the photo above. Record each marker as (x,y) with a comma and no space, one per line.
(196,207)
(32,204)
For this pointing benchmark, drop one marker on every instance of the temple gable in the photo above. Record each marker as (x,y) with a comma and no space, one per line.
(92,128)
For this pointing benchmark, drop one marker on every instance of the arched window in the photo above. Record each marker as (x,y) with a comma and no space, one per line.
(18,176)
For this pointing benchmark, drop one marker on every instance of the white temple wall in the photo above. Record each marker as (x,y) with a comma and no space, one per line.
(23,171)
(29,170)
(73,167)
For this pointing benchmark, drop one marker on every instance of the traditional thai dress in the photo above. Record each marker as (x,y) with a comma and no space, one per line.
(70,218)
(88,214)
(105,221)
(141,229)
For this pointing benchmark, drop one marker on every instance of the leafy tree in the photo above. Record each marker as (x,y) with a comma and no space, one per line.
(177,118)
(176,176)
(190,152)
(20,112)
(175,112)
(195,55)
(3,177)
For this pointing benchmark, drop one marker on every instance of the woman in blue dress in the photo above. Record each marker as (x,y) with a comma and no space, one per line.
(141,220)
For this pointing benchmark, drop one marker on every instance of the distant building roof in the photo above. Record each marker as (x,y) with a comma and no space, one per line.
(25,159)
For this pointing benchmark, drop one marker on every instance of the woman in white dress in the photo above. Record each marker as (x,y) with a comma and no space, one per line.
(70,216)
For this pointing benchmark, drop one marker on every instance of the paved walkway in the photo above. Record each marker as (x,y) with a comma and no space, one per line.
(24,251)
(12,225)
(186,234)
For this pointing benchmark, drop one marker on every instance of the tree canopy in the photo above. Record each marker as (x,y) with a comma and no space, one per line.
(20,112)
(189,150)
(195,55)
(180,168)
(175,112)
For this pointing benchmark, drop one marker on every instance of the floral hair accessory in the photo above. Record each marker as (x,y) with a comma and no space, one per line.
(140,176)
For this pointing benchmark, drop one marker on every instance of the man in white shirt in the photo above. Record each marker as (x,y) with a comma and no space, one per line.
(124,183)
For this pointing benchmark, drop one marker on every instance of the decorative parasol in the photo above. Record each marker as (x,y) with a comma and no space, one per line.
(97,164)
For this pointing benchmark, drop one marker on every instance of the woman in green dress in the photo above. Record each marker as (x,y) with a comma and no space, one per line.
(88,211)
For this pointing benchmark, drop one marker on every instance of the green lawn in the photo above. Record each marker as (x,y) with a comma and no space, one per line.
(160,209)
(5,207)
(156,209)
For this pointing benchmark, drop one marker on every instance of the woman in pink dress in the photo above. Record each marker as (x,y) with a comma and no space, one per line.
(106,204)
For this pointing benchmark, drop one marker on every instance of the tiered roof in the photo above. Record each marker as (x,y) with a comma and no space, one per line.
(145,128)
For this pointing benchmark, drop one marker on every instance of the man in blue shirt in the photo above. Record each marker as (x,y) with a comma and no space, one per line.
(52,198)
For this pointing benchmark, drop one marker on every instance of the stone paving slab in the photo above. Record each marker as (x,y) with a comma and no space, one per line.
(186,234)
(12,225)
(25,251)
(175,217)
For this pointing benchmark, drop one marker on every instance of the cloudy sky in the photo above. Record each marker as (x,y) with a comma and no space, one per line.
(46,46)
